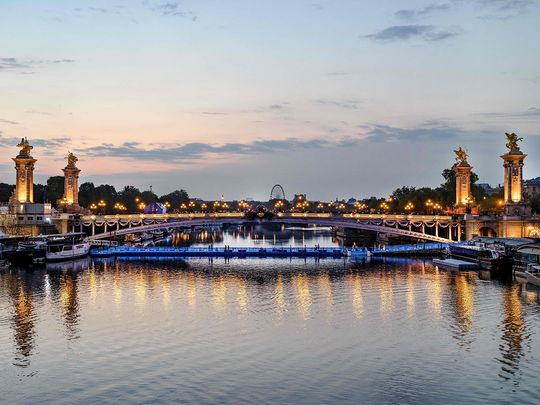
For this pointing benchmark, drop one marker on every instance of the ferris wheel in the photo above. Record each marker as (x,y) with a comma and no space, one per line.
(277,193)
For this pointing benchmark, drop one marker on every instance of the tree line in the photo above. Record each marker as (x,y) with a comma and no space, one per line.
(402,200)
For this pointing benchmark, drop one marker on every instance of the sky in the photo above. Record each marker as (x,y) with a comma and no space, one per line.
(334,99)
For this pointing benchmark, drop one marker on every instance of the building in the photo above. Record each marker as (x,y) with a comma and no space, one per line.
(490,190)
(532,187)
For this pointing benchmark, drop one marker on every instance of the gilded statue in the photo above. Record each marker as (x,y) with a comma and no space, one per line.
(461,156)
(72,159)
(512,144)
(25,147)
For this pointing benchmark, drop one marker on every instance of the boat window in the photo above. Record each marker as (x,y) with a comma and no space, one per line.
(68,247)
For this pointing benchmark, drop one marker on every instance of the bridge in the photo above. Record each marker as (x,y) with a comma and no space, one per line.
(434,228)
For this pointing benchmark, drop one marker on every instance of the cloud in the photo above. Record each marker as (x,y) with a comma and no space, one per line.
(531,113)
(495,9)
(191,152)
(507,5)
(173,8)
(15,64)
(338,74)
(52,143)
(12,64)
(501,9)
(405,32)
(412,14)
(428,131)
(214,113)
(346,104)
(2,121)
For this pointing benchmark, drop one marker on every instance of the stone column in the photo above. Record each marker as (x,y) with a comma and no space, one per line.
(513,177)
(24,166)
(463,185)
(71,184)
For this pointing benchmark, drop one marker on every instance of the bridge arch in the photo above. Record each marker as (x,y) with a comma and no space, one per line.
(388,227)
(487,231)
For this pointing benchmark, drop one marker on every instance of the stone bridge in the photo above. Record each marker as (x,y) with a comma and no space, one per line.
(420,227)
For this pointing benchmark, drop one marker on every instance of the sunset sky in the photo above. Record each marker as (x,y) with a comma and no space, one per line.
(329,98)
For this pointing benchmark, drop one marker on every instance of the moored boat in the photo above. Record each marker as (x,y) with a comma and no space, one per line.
(489,253)
(57,247)
(527,263)
(67,247)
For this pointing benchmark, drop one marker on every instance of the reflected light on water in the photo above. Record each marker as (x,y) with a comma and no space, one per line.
(515,333)
(140,289)
(356,294)
(410,292)
(241,295)
(303,295)
(386,293)
(219,289)
(192,290)
(279,296)
(325,286)
(434,288)
(23,323)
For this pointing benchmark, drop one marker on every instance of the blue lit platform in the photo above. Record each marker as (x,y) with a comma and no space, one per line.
(126,251)
(410,250)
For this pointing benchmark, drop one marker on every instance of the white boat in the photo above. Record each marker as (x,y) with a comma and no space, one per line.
(531,274)
(66,247)
(527,263)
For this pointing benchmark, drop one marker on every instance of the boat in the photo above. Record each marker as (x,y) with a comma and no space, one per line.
(67,247)
(50,248)
(527,263)
(531,274)
(488,254)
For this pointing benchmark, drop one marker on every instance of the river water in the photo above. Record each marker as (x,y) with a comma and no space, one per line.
(265,331)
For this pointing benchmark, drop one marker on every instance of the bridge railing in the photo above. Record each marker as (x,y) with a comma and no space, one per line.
(217,215)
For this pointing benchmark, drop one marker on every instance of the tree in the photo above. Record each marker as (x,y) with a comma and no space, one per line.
(54,190)
(5,191)
(87,194)
(148,197)
(176,198)
(39,193)
(535,204)
(128,197)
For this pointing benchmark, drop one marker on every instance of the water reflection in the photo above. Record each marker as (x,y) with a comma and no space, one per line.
(23,324)
(279,296)
(356,293)
(69,303)
(303,295)
(212,301)
(462,308)
(515,333)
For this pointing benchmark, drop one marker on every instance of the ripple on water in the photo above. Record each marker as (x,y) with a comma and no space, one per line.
(268,331)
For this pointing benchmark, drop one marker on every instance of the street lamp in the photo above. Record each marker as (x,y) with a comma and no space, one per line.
(409,207)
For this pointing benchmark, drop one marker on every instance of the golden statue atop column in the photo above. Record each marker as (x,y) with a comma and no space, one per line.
(70,200)
(462,169)
(24,166)
(513,177)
